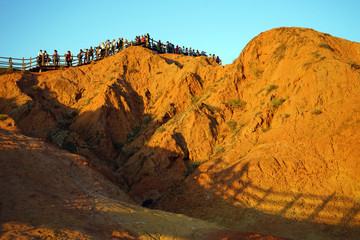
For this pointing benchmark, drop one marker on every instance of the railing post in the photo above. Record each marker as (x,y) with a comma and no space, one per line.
(30,64)
(42,60)
(10,62)
(22,66)
(106,51)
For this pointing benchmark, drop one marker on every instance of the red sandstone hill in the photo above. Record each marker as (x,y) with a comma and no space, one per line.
(268,144)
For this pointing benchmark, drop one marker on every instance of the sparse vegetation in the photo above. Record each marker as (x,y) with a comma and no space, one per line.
(75,112)
(35,87)
(111,78)
(257,72)
(325,45)
(231,125)
(160,130)
(270,88)
(286,115)
(213,108)
(279,52)
(157,97)
(277,102)
(134,134)
(259,91)
(158,72)
(3,117)
(63,124)
(258,113)
(316,111)
(307,64)
(315,54)
(218,149)
(237,103)
(354,65)
(194,99)
(265,129)
(6,70)
(118,146)
(132,70)
(192,166)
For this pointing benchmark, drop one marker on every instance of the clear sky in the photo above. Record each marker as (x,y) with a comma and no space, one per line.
(220,27)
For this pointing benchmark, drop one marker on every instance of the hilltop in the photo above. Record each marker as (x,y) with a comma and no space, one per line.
(267,144)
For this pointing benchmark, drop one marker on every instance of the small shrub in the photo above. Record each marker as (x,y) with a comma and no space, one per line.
(56,106)
(316,111)
(63,124)
(237,103)
(192,166)
(6,70)
(325,45)
(259,91)
(148,118)
(286,115)
(118,146)
(270,88)
(307,64)
(35,87)
(134,134)
(132,70)
(3,117)
(267,128)
(111,77)
(257,71)
(158,72)
(194,99)
(160,130)
(75,113)
(277,102)
(157,97)
(354,65)
(315,54)
(279,52)
(114,70)
(213,108)
(258,113)
(68,116)
(218,149)
(231,125)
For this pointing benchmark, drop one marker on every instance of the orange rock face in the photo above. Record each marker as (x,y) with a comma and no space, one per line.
(268,144)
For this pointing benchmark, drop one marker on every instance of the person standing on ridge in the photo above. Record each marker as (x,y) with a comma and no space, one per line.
(68,58)
(40,57)
(56,58)
(80,56)
(91,54)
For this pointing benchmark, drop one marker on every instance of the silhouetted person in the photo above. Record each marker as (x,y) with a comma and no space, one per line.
(68,58)
(56,58)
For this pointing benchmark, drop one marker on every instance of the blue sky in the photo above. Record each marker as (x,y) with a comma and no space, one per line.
(220,27)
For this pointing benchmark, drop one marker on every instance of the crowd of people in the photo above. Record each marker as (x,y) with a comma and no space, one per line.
(108,48)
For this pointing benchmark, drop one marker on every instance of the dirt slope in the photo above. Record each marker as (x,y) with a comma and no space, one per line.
(267,144)
(47,193)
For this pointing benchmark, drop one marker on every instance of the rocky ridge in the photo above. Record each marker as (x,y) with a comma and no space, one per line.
(270,138)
